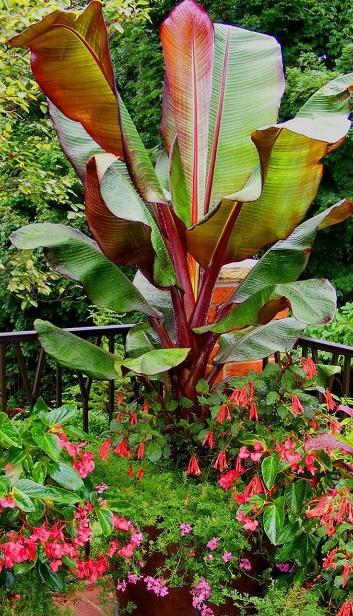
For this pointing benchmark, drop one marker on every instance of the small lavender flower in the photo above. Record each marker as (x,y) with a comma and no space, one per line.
(245,564)
(212,544)
(133,578)
(285,567)
(156,585)
(227,557)
(121,586)
(185,529)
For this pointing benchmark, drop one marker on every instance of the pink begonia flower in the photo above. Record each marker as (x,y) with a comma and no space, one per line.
(185,529)
(227,557)
(121,586)
(212,544)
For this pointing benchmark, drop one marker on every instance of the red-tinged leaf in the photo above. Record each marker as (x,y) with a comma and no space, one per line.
(245,63)
(327,441)
(122,241)
(79,80)
(345,409)
(168,129)
(188,41)
(138,161)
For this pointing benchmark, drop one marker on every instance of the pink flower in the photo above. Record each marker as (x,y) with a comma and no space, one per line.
(133,578)
(7,502)
(55,564)
(84,464)
(121,586)
(248,523)
(185,529)
(227,479)
(309,463)
(285,567)
(102,487)
(156,585)
(245,564)
(227,557)
(212,544)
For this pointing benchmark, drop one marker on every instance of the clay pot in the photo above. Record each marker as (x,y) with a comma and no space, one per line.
(179,600)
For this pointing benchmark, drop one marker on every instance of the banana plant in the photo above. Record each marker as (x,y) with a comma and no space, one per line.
(231,183)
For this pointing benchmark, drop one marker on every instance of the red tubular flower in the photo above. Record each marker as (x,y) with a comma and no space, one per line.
(120,397)
(234,397)
(253,414)
(141,451)
(330,403)
(140,473)
(224,414)
(309,366)
(297,407)
(104,449)
(133,419)
(221,461)
(146,407)
(122,449)
(130,471)
(346,609)
(193,467)
(209,440)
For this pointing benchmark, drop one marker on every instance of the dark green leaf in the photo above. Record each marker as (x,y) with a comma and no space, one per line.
(297,494)
(105,518)
(51,578)
(153,452)
(37,490)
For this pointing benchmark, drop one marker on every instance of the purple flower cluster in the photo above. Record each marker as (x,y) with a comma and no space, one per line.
(156,585)
(200,594)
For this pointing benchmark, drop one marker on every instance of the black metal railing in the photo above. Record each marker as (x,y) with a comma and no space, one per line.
(30,371)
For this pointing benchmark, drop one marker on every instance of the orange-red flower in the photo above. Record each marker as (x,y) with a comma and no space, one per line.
(193,467)
(104,449)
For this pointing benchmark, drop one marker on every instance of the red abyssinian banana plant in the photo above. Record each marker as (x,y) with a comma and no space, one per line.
(230,182)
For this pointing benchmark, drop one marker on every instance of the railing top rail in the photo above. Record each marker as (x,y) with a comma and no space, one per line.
(325,345)
(84,332)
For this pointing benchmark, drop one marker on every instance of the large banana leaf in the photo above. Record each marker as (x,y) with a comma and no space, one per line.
(140,339)
(76,256)
(73,352)
(124,242)
(290,154)
(187,37)
(247,87)
(121,221)
(311,302)
(79,80)
(259,342)
(75,141)
(287,259)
